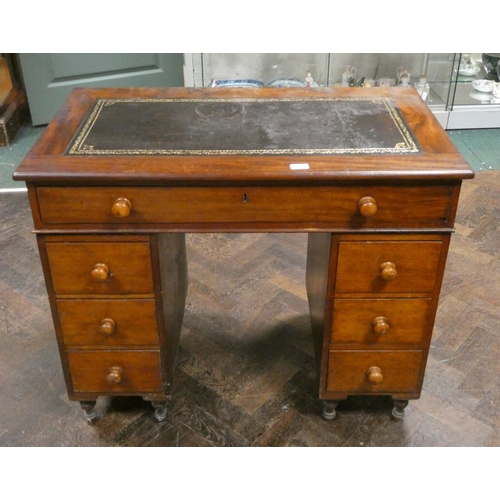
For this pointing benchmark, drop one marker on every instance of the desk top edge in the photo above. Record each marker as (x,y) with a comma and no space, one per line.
(47,162)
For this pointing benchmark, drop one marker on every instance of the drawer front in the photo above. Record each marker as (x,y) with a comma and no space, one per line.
(387,267)
(77,268)
(395,206)
(115,372)
(113,322)
(355,372)
(379,323)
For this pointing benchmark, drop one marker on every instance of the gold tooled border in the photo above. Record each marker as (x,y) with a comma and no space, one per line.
(407,145)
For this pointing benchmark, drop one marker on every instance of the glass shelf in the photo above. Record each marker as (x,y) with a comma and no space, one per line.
(449,94)
(469,108)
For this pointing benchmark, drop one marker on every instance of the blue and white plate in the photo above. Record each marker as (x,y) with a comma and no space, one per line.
(237,83)
(286,82)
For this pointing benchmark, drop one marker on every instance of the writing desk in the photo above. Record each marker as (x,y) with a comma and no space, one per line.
(120,175)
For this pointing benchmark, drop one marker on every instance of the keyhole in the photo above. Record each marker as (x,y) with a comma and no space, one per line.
(245,198)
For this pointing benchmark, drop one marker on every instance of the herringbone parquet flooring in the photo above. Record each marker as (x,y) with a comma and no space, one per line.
(245,374)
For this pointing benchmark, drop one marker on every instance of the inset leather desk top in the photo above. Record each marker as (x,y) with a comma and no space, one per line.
(268,126)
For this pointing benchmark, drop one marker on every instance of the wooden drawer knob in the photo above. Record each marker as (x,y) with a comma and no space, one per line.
(100,272)
(374,374)
(388,271)
(381,325)
(107,326)
(114,375)
(367,206)
(121,207)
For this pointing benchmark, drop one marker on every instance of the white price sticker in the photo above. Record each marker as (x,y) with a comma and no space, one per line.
(299,166)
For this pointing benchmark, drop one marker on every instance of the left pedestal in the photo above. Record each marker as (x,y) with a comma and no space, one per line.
(117,303)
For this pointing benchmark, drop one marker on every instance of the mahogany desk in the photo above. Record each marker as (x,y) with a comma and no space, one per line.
(121,175)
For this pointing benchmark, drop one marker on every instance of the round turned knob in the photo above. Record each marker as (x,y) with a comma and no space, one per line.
(121,207)
(100,272)
(107,326)
(367,206)
(388,271)
(381,325)
(114,375)
(374,374)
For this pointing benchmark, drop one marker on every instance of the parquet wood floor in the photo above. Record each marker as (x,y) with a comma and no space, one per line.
(245,372)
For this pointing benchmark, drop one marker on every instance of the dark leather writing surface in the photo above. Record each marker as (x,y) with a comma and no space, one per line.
(319,126)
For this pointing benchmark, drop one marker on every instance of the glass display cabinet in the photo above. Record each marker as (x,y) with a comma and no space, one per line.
(475,98)
(446,81)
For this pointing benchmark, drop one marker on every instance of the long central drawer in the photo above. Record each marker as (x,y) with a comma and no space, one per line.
(396,206)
